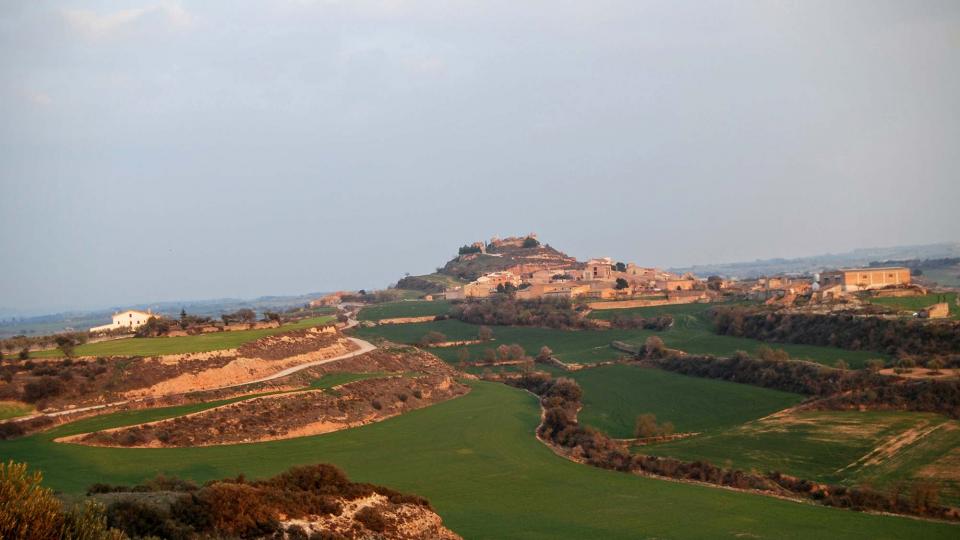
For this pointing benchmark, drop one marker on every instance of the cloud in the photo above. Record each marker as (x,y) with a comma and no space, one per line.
(94,25)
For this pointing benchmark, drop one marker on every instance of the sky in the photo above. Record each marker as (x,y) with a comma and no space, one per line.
(163,150)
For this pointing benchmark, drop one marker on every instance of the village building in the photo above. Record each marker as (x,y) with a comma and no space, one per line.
(127,320)
(599,270)
(486,285)
(859,279)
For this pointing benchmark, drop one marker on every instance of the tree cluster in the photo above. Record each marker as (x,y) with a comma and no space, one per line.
(506,311)
(847,331)
(647,323)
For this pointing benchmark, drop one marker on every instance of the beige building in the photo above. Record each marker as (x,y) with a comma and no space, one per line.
(599,270)
(859,279)
(486,285)
(128,320)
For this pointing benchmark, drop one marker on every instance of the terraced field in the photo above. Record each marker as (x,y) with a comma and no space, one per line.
(178,345)
(691,333)
(865,448)
(615,395)
(409,308)
(477,461)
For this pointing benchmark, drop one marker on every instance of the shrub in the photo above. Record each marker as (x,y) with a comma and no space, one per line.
(29,510)
(371,518)
(42,388)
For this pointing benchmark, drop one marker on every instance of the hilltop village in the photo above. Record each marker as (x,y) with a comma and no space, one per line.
(528,270)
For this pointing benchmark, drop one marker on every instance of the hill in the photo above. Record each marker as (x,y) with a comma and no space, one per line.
(513,253)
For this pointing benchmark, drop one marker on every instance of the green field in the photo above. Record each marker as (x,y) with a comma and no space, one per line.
(476,459)
(583,346)
(13,409)
(831,447)
(410,308)
(916,303)
(691,333)
(178,345)
(615,395)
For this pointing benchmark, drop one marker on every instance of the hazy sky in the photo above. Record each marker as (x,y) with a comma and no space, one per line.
(166,150)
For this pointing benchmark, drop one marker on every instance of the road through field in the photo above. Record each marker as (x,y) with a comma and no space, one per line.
(365,347)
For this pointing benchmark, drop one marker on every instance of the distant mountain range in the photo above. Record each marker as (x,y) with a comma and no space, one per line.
(817,263)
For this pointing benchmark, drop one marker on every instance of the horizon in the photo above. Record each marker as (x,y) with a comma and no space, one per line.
(7,312)
(159,149)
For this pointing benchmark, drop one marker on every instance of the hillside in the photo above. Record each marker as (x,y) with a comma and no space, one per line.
(505,254)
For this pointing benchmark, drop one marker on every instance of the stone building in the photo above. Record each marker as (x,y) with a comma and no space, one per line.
(859,279)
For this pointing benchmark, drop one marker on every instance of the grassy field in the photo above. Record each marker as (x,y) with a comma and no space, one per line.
(416,308)
(865,448)
(178,345)
(478,462)
(691,333)
(585,346)
(13,409)
(615,395)
(916,303)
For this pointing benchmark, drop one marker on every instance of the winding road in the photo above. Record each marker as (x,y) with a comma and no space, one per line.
(365,347)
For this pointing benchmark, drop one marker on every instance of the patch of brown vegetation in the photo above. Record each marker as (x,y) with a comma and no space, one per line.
(286,416)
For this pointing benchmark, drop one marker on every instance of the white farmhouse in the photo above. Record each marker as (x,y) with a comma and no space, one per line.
(128,320)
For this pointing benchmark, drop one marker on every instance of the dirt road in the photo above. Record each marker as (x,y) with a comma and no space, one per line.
(365,347)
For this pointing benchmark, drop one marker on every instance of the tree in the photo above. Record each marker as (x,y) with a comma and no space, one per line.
(654,346)
(271,316)
(66,344)
(531,242)
(246,315)
(485,333)
(935,365)
(24,353)
(463,357)
(432,337)
(714,283)
(647,426)
(489,356)
(621,284)
(544,355)
(874,365)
